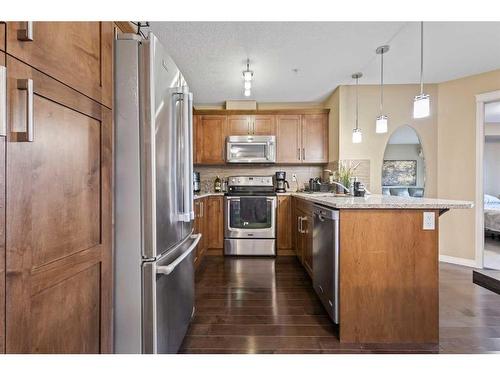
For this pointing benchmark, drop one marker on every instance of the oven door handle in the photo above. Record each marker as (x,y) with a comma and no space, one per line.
(167,270)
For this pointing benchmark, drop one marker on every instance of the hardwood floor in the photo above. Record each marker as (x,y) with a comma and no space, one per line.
(266,305)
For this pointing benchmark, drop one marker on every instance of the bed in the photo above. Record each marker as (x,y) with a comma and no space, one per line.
(491,214)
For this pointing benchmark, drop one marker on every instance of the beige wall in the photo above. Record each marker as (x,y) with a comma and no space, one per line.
(398,106)
(333,104)
(456,158)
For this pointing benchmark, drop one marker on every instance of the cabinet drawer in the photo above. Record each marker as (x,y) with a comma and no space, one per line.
(79,54)
(303,205)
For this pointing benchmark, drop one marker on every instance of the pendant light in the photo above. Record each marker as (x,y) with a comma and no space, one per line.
(357,135)
(247,77)
(381,122)
(421,103)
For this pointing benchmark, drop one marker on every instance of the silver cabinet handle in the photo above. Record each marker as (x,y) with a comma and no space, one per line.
(253,127)
(27,85)
(26,34)
(3,101)
(303,154)
(298,153)
(167,270)
(248,127)
(202,208)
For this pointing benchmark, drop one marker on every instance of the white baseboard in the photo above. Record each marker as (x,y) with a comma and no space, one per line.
(458,261)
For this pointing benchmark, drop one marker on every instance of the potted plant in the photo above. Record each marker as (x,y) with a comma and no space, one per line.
(345,175)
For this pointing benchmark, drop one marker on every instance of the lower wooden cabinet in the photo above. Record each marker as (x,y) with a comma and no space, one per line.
(303,232)
(215,223)
(200,226)
(284,225)
(2,226)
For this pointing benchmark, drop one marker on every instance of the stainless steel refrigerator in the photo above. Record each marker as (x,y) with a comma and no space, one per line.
(154,241)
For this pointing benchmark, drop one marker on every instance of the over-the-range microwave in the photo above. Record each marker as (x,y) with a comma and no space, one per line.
(251,149)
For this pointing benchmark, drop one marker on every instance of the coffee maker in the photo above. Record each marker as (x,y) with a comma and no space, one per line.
(281,182)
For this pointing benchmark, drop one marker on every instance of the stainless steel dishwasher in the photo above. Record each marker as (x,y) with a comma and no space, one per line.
(326,258)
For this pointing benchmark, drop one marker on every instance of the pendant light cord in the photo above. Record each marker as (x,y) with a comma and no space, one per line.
(421,57)
(357,102)
(382,83)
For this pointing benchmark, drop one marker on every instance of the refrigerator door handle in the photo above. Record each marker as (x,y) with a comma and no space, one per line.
(189,125)
(167,270)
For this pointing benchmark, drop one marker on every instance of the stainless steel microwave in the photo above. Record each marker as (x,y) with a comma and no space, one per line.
(251,149)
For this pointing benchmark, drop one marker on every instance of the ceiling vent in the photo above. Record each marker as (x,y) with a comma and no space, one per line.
(247,105)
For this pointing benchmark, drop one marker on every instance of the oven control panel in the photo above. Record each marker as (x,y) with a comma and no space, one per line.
(250,181)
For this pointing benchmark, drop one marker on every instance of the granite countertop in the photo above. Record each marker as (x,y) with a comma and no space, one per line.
(203,195)
(382,201)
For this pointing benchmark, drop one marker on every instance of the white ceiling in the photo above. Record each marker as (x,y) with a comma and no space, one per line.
(212,55)
(492,112)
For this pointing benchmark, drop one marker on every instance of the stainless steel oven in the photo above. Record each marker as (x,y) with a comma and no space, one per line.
(250,216)
(251,149)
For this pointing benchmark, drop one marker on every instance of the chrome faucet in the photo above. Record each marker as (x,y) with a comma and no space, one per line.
(342,186)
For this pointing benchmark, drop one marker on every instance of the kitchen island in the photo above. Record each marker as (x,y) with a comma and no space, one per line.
(388,266)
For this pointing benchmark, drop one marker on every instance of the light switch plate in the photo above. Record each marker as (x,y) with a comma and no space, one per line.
(429,220)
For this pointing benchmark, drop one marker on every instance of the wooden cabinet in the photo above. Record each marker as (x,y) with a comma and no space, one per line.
(251,125)
(284,225)
(264,125)
(302,139)
(2,36)
(79,54)
(215,223)
(288,139)
(2,221)
(239,125)
(200,226)
(59,186)
(210,136)
(303,229)
(301,136)
(315,138)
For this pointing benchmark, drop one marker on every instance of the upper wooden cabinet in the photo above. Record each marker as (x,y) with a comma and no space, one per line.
(78,54)
(210,137)
(239,125)
(289,145)
(301,135)
(315,138)
(251,125)
(2,36)
(58,216)
(302,138)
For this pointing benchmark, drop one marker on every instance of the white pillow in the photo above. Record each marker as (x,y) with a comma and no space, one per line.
(490,199)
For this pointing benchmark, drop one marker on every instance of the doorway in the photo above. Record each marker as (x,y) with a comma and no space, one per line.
(491,185)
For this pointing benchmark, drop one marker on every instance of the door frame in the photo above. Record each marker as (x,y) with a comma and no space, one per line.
(481,100)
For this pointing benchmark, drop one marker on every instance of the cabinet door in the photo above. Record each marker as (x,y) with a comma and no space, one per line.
(288,140)
(2,207)
(315,138)
(284,222)
(196,230)
(78,54)
(58,221)
(215,222)
(239,125)
(264,125)
(307,243)
(196,140)
(211,137)
(2,37)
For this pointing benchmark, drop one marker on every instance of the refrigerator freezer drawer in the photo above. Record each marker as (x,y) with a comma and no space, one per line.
(168,299)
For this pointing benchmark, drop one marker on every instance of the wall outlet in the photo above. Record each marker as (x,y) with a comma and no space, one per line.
(429,221)
(294,177)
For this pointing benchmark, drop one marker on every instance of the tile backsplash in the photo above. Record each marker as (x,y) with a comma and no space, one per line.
(304,173)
